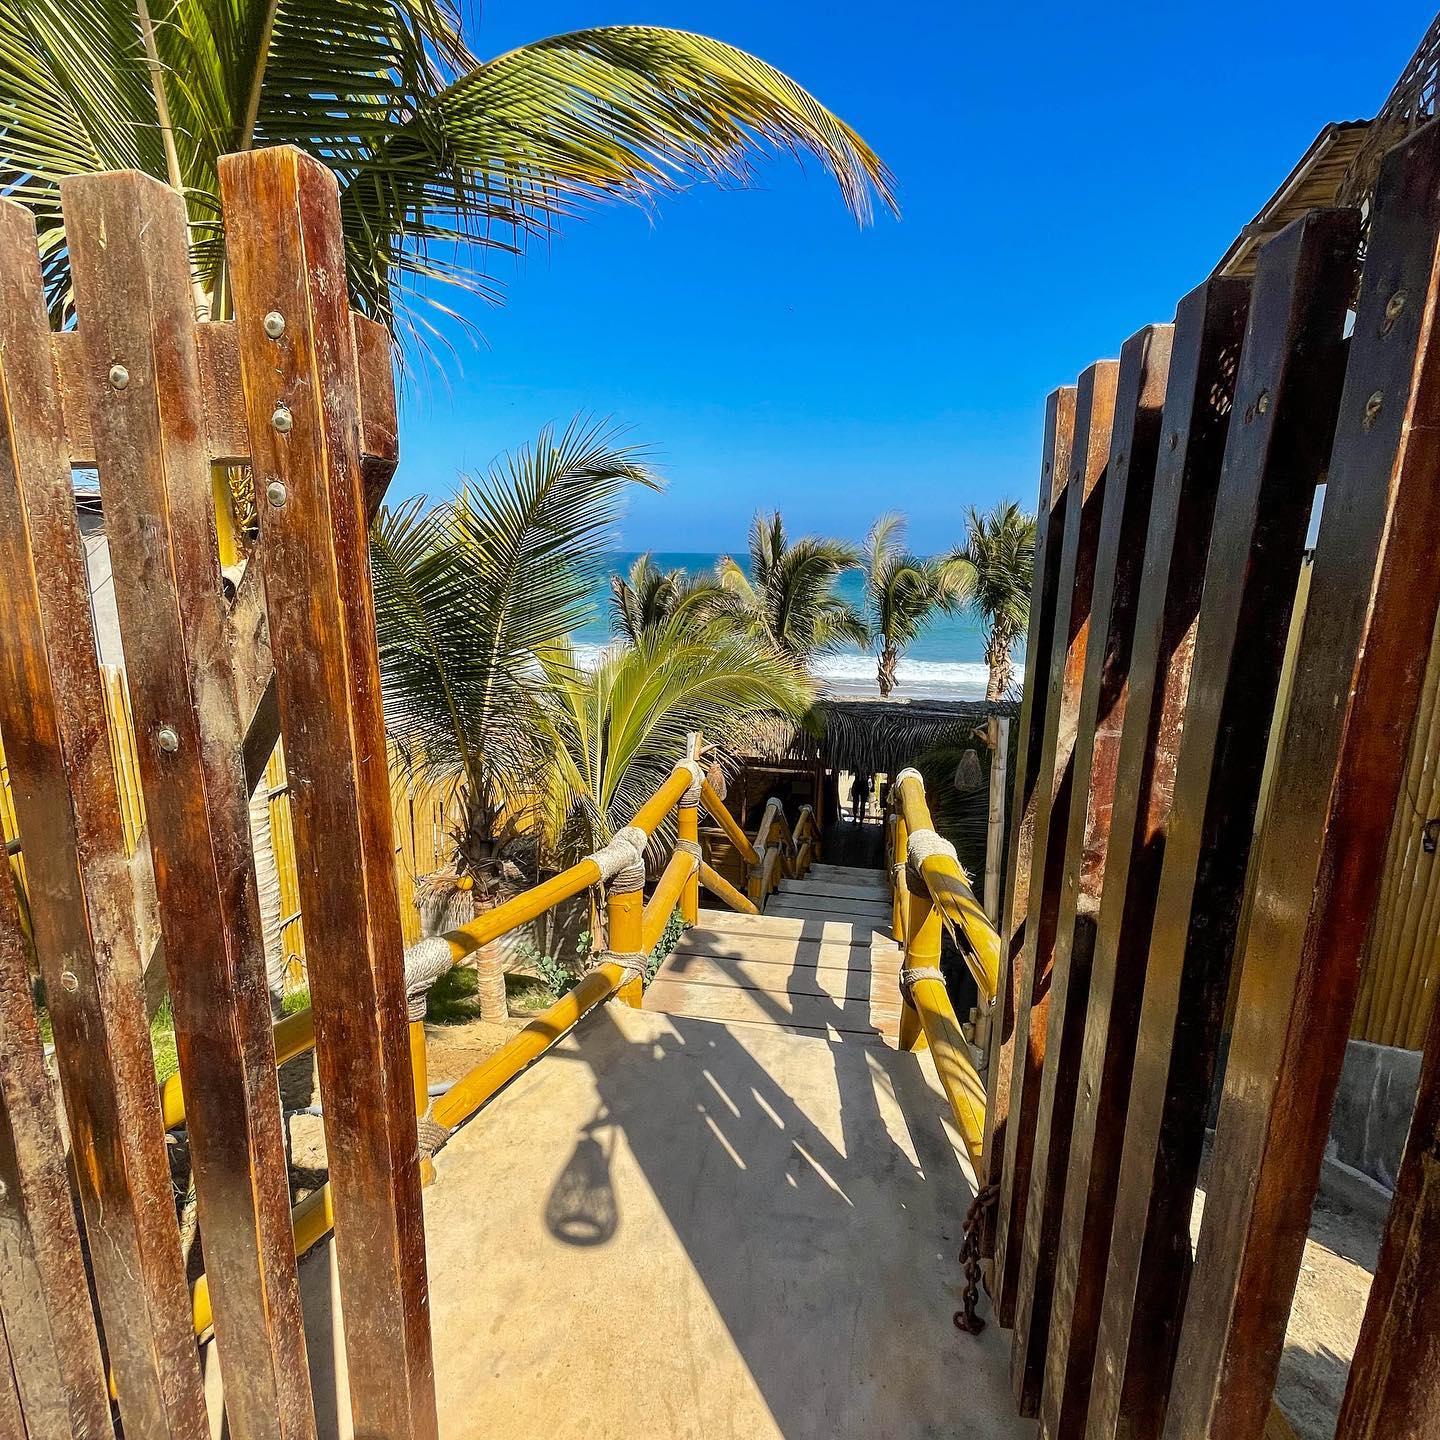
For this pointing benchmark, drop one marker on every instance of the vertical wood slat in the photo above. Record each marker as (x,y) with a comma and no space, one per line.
(1049,527)
(81,890)
(129,256)
(286,256)
(45,1310)
(1373,593)
(1182,891)
(1094,408)
(1129,476)
(1394,1384)
(1209,325)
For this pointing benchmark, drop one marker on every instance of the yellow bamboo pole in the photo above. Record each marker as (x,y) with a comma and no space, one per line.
(950,890)
(718,885)
(626,911)
(726,821)
(670,890)
(927,1017)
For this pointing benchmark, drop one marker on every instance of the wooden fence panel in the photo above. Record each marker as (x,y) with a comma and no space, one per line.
(130,260)
(46,1315)
(1130,472)
(81,890)
(1184,886)
(287,261)
(1049,527)
(1374,591)
(1094,411)
(1394,1385)
(1209,325)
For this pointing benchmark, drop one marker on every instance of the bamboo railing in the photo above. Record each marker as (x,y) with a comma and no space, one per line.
(930,892)
(635,927)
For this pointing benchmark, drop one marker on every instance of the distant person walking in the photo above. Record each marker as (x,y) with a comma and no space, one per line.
(860,796)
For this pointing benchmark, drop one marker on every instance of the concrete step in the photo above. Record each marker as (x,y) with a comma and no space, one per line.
(781,977)
(729,1003)
(790,951)
(835,889)
(827,929)
(846,874)
(800,901)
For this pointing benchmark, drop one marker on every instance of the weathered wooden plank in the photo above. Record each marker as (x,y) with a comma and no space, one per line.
(227,441)
(45,1309)
(129,259)
(1394,1384)
(1120,553)
(287,260)
(12,1419)
(1090,452)
(1000,1047)
(1183,889)
(1359,666)
(52,714)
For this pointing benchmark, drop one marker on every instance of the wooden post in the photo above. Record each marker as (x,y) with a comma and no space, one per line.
(1100,716)
(688,822)
(1000,1048)
(299,367)
(995,826)
(82,895)
(1094,412)
(1394,1384)
(45,1314)
(1359,667)
(128,240)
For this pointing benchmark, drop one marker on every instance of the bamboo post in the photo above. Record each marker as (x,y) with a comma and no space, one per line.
(999,728)
(922,952)
(688,819)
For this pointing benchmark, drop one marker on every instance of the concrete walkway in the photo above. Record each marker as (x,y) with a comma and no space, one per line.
(676,1227)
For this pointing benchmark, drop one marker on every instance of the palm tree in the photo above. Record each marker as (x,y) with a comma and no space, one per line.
(473,601)
(470,599)
(647,597)
(617,730)
(788,596)
(439,155)
(902,594)
(999,563)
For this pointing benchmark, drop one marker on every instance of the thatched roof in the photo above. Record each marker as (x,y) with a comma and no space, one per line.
(876,736)
(1315,182)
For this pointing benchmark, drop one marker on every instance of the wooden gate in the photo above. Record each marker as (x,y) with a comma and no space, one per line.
(1159,785)
(299,389)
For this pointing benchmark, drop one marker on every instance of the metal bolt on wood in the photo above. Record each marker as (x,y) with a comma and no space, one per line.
(168,739)
(119,377)
(275,493)
(274,324)
(282,419)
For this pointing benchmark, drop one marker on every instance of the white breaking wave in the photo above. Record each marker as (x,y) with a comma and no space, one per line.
(855,675)
(915,679)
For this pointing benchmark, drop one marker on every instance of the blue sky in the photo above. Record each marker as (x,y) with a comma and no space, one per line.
(1065,174)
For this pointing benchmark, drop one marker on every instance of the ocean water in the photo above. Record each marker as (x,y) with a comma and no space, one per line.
(946,662)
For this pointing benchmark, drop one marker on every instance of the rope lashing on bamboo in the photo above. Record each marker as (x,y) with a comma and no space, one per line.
(633,962)
(690,847)
(691,798)
(923,845)
(622,862)
(425,962)
(910,977)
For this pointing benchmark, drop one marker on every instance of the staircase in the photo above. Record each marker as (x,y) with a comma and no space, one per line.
(821,961)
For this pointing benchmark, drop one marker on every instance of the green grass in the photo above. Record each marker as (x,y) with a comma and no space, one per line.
(453,999)
(162,1039)
(296,1001)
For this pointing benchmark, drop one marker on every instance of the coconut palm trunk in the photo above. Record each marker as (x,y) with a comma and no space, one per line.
(887,671)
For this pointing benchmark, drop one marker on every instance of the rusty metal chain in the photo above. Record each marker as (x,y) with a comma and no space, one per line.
(966,1318)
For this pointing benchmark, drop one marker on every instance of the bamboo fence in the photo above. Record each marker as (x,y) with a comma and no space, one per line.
(424,819)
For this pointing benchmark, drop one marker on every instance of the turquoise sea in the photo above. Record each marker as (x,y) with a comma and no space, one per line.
(945,663)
